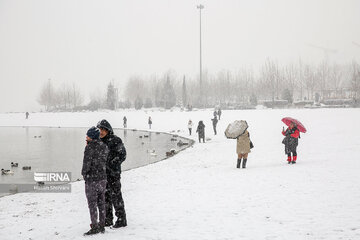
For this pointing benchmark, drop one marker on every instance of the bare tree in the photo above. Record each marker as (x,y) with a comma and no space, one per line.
(323,78)
(309,76)
(335,77)
(47,96)
(355,80)
(271,78)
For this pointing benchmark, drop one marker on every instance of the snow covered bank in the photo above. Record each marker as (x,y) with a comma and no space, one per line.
(199,194)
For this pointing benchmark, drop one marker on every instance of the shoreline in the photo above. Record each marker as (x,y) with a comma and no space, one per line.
(191,143)
(200,194)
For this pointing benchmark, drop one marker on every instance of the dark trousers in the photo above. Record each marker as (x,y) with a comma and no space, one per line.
(95,194)
(190,131)
(293,153)
(201,137)
(113,198)
(214,127)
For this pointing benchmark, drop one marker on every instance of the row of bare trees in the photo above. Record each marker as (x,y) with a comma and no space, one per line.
(65,97)
(292,82)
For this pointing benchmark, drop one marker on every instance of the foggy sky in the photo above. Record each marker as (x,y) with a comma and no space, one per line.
(91,42)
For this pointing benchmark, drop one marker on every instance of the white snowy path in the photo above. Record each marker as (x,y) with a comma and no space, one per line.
(199,194)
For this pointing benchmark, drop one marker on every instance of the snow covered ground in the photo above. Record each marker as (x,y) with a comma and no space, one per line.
(199,194)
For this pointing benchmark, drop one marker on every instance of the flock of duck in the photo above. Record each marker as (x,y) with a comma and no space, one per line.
(13,165)
(152,153)
(172,151)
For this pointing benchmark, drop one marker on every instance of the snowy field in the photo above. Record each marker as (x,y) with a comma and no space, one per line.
(199,194)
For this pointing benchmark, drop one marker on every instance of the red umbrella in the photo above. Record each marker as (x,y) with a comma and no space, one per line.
(299,125)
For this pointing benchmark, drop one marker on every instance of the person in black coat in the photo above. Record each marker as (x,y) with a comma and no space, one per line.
(116,156)
(125,122)
(214,122)
(94,174)
(149,122)
(201,131)
(219,113)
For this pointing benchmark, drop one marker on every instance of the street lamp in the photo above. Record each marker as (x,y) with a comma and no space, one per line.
(200,7)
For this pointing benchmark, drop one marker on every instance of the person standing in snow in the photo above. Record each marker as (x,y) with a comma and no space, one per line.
(125,122)
(215,113)
(94,174)
(27,115)
(201,131)
(291,142)
(243,149)
(190,125)
(219,113)
(149,122)
(214,123)
(116,156)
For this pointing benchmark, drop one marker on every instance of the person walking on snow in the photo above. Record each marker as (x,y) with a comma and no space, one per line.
(219,113)
(149,122)
(214,123)
(125,122)
(27,115)
(201,131)
(290,141)
(190,125)
(116,156)
(215,113)
(94,174)
(243,148)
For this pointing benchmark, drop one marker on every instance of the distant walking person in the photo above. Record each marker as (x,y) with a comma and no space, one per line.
(219,113)
(27,115)
(125,122)
(243,149)
(215,113)
(116,156)
(214,122)
(149,122)
(190,125)
(94,174)
(291,142)
(201,131)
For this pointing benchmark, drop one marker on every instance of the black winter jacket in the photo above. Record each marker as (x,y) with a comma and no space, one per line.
(94,162)
(117,151)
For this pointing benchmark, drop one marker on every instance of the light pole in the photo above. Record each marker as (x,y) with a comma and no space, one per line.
(200,7)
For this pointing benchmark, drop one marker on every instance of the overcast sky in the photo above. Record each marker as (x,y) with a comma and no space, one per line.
(91,42)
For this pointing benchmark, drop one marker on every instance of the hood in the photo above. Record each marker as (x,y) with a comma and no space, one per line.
(106,125)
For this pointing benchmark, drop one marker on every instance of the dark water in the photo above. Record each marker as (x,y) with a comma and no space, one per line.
(61,150)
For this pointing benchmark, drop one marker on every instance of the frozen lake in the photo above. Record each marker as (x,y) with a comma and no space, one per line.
(61,150)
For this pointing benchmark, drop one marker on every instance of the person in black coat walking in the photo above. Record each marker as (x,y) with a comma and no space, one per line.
(201,131)
(113,195)
(149,122)
(94,174)
(125,122)
(214,122)
(219,113)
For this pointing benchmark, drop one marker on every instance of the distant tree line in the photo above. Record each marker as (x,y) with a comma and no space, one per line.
(292,82)
(272,82)
(64,98)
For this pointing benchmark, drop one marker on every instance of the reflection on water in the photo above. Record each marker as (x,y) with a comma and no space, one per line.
(61,150)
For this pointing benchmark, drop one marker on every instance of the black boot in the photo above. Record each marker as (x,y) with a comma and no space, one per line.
(238,163)
(121,222)
(101,228)
(95,229)
(244,163)
(108,223)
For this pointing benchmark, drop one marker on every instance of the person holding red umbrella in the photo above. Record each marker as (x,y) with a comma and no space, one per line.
(292,135)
